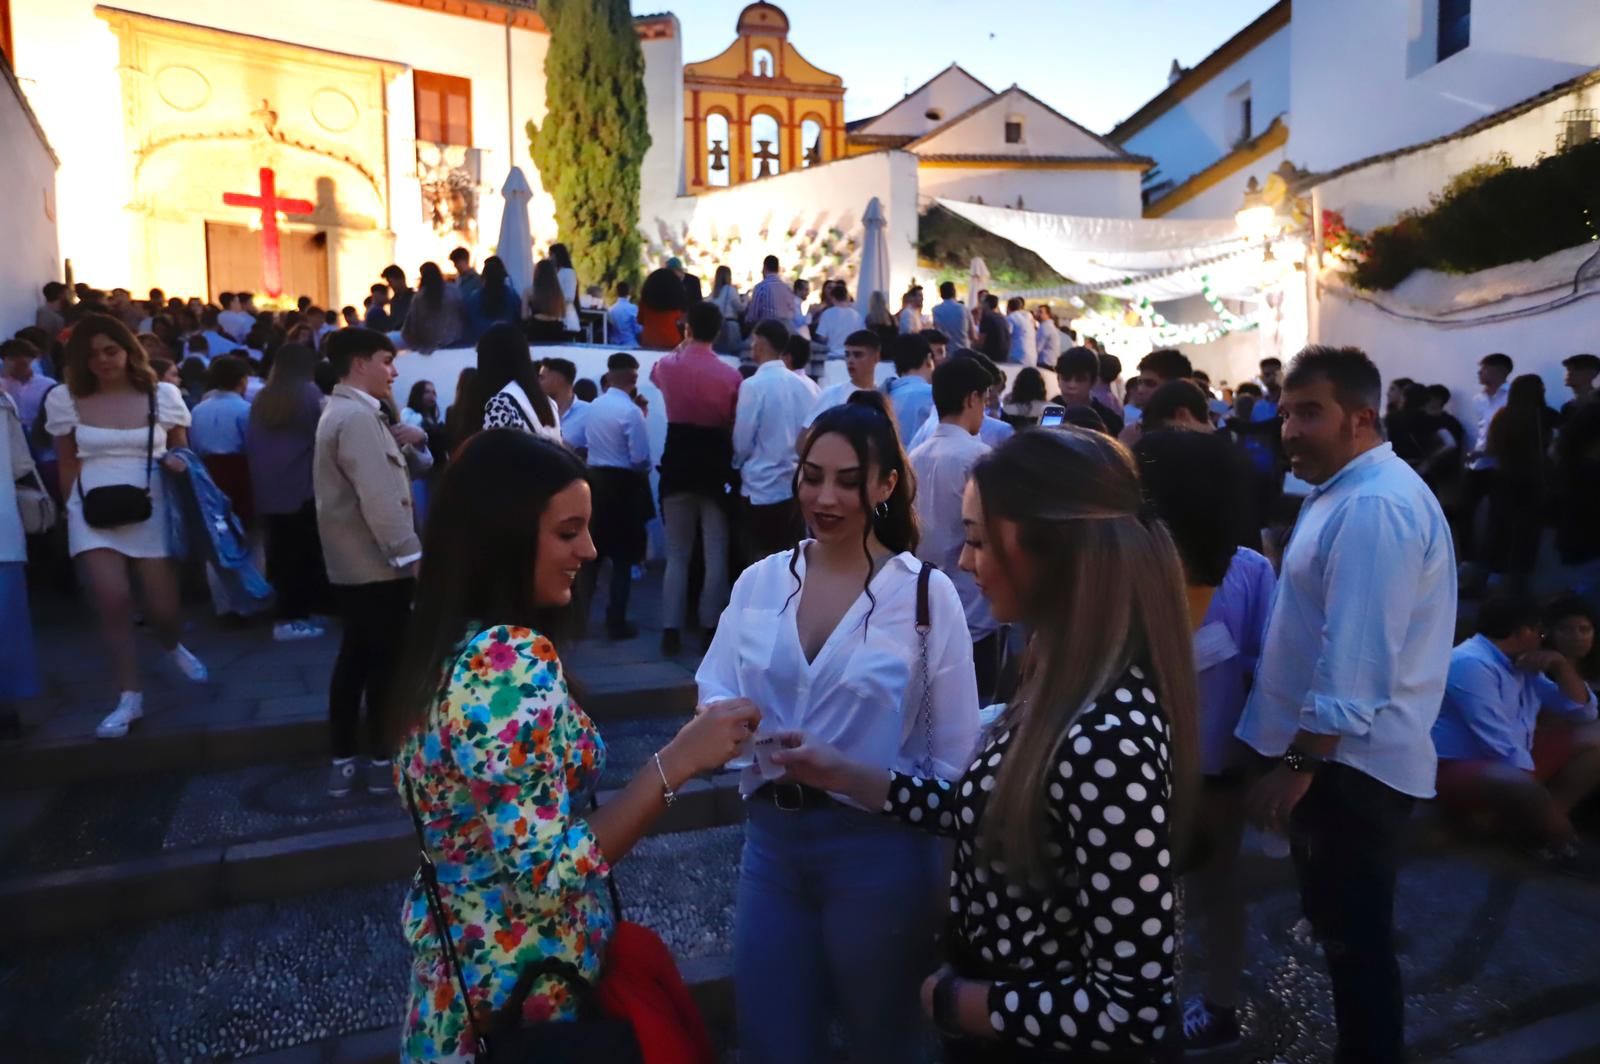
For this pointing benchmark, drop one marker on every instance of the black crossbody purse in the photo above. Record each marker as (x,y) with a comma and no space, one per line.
(595,1037)
(115,505)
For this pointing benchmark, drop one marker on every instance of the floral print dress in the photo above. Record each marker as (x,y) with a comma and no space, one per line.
(502,771)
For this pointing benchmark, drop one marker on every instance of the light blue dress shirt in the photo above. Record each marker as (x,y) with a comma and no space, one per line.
(773,409)
(912,398)
(942,464)
(624,319)
(1358,643)
(218,424)
(573,433)
(615,431)
(1491,707)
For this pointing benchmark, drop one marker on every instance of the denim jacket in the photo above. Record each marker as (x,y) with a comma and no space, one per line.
(200,516)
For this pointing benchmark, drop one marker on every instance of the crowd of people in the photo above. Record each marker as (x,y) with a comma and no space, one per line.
(1044,623)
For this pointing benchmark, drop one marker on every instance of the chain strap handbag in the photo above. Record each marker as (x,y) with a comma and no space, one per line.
(116,505)
(593,1038)
(925,764)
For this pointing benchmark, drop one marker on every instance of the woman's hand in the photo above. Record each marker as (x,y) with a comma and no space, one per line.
(173,464)
(807,759)
(711,739)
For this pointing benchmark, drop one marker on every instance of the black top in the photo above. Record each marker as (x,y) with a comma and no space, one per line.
(993,339)
(1086,966)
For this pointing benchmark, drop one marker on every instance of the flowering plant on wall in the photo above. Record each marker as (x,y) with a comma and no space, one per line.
(818,249)
(1342,247)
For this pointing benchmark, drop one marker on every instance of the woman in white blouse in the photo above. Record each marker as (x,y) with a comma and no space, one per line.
(113,424)
(836,904)
(567,277)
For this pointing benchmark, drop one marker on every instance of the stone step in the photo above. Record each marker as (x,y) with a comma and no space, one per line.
(89,856)
(324,969)
(255,719)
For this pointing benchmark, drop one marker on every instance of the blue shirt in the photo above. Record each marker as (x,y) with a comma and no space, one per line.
(624,319)
(1227,646)
(913,401)
(615,432)
(955,321)
(572,424)
(218,424)
(1358,643)
(1491,707)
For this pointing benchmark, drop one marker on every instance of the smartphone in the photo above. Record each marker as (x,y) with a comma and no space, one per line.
(1053,414)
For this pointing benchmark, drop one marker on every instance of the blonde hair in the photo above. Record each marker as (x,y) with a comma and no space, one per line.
(1106,592)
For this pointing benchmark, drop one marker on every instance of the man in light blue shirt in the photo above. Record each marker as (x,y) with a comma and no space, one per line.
(911,390)
(774,403)
(221,417)
(1497,754)
(1351,676)
(623,318)
(619,468)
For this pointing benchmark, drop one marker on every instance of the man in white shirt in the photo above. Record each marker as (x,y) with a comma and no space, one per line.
(801,325)
(942,465)
(1024,333)
(619,472)
(556,377)
(1350,681)
(862,350)
(771,413)
(1493,372)
(838,322)
(909,319)
(797,357)
(235,321)
(1049,338)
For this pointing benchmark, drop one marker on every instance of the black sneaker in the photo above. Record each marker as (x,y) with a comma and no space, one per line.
(617,633)
(1208,1029)
(671,642)
(1571,858)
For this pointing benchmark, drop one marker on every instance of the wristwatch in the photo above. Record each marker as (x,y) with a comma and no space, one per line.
(1297,760)
(945,1014)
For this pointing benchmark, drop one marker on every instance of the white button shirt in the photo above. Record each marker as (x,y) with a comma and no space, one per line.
(772,410)
(942,465)
(1484,408)
(1049,343)
(863,693)
(831,396)
(1358,643)
(615,432)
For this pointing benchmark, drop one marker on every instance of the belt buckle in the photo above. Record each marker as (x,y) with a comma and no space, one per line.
(780,790)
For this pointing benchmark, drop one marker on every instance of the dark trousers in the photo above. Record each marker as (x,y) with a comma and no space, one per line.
(986,655)
(1344,837)
(1476,486)
(374,624)
(294,562)
(768,529)
(620,591)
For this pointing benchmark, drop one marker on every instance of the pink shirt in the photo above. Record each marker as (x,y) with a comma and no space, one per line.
(699,388)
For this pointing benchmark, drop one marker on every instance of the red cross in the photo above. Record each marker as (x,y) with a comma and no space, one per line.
(270,204)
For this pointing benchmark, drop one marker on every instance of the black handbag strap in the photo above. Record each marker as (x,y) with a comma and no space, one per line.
(149,443)
(925,766)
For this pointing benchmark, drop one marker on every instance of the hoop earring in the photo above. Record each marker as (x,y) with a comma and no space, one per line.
(881,510)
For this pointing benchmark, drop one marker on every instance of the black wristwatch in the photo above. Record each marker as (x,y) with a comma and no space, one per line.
(945,1015)
(1297,760)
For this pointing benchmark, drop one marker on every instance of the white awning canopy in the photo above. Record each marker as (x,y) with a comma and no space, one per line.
(1156,258)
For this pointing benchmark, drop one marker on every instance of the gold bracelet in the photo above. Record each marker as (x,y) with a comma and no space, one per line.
(667,792)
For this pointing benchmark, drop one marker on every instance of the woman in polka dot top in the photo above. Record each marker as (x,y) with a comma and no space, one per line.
(1063,923)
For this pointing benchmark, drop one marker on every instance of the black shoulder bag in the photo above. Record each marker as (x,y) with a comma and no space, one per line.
(115,505)
(925,764)
(595,1037)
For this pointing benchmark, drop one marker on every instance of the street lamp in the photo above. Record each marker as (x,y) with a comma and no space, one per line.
(1256,216)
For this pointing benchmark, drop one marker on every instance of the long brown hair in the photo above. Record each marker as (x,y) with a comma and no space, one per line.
(1106,592)
(283,397)
(82,382)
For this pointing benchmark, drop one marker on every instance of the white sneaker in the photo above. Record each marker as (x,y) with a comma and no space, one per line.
(130,707)
(188,664)
(291,631)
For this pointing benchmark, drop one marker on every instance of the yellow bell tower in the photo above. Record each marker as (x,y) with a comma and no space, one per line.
(759,108)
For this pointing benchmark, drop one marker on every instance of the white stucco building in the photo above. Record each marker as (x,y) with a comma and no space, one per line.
(1374,105)
(28,224)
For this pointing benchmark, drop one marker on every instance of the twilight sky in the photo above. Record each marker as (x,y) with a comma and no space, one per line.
(1097,61)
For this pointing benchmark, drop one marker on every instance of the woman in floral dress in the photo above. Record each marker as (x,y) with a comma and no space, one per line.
(501,760)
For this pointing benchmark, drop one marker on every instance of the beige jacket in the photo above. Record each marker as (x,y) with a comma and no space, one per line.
(363,493)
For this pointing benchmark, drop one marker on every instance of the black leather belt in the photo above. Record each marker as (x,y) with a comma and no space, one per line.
(794,797)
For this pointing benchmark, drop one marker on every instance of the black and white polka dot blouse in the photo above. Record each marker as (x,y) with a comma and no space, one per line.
(1087,967)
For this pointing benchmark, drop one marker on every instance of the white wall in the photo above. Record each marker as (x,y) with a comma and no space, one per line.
(1095,193)
(832,195)
(1375,195)
(1194,133)
(951,93)
(1223,199)
(1043,132)
(27,202)
(67,58)
(1354,92)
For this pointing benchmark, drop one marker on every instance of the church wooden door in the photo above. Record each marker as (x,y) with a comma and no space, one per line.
(233,262)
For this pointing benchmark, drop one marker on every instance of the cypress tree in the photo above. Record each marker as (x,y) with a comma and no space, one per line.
(591,147)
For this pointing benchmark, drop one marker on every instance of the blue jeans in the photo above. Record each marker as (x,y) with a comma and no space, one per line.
(836,914)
